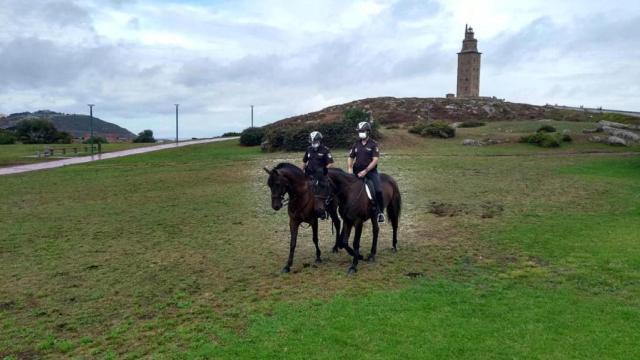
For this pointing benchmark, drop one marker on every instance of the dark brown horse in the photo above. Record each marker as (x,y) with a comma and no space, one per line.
(304,205)
(356,208)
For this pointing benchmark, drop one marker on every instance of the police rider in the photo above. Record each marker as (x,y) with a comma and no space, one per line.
(363,162)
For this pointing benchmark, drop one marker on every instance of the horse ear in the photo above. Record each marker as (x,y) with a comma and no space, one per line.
(267,170)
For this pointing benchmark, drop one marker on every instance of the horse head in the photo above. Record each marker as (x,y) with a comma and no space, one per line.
(279,187)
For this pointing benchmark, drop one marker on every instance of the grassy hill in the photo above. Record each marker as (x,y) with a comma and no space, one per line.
(76,125)
(506,251)
(398,111)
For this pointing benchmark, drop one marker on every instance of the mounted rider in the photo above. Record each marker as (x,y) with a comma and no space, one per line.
(316,161)
(363,162)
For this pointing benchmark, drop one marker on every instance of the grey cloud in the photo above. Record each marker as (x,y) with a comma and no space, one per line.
(415,9)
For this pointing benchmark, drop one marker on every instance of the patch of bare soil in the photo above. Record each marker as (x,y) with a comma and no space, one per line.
(485,210)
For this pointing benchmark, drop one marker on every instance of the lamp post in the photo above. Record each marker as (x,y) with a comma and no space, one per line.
(251,115)
(91,116)
(177,105)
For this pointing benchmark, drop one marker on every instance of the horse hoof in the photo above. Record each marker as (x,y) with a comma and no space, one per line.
(352,270)
(335,249)
(318,260)
(285,270)
(371,259)
(394,249)
(360,257)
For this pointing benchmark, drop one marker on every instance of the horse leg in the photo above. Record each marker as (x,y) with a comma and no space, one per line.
(336,222)
(293,227)
(394,216)
(314,228)
(356,249)
(374,242)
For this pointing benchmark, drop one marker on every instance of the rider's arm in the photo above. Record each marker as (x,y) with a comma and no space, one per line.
(372,164)
(352,155)
(329,159)
(305,159)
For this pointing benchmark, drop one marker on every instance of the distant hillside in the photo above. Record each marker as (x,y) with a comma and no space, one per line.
(76,125)
(390,110)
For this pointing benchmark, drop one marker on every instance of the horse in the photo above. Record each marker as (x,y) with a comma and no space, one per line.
(355,208)
(304,205)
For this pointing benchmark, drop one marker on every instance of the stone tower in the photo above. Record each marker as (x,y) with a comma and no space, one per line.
(469,66)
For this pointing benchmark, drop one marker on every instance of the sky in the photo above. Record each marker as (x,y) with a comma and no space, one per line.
(135,59)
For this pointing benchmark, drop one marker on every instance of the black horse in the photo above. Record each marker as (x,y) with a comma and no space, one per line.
(304,205)
(356,208)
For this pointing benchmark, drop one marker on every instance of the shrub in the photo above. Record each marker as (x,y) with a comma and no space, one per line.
(471,124)
(7,138)
(145,136)
(252,136)
(542,139)
(546,129)
(97,140)
(567,138)
(63,137)
(231,134)
(36,131)
(440,129)
(338,134)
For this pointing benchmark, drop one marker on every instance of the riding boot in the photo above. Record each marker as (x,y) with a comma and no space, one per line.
(380,207)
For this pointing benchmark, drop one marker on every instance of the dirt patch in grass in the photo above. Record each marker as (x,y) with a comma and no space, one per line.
(485,210)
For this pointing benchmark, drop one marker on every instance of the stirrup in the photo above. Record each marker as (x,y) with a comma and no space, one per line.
(381,218)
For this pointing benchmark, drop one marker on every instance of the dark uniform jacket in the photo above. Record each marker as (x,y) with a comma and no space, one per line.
(317,159)
(364,154)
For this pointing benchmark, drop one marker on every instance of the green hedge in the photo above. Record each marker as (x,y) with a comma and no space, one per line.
(7,138)
(440,129)
(339,134)
(542,139)
(546,128)
(252,136)
(471,124)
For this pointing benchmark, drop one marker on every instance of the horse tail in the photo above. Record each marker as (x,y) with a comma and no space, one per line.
(393,210)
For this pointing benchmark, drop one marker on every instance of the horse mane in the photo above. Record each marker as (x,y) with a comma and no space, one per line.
(289,167)
(345,175)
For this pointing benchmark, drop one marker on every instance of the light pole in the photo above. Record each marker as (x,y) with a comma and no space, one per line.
(91,116)
(177,122)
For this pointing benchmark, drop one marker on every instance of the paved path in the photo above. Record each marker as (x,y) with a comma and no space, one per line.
(116,154)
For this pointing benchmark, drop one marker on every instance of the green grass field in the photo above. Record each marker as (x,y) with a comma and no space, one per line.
(177,253)
(19,154)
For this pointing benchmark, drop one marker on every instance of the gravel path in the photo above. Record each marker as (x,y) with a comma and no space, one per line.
(116,154)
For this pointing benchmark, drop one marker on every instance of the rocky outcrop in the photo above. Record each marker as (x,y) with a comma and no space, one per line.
(618,134)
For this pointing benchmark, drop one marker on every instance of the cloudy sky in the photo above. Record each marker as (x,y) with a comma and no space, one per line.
(135,58)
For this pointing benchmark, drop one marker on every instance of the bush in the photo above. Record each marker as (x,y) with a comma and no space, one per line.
(471,124)
(97,140)
(567,138)
(231,134)
(439,129)
(145,136)
(252,136)
(339,134)
(542,139)
(36,131)
(63,137)
(546,129)
(7,137)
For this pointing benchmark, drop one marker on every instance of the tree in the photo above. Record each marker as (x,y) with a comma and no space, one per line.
(36,131)
(7,137)
(145,136)
(96,140)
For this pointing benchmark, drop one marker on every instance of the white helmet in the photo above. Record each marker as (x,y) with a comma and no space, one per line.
(314,138)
